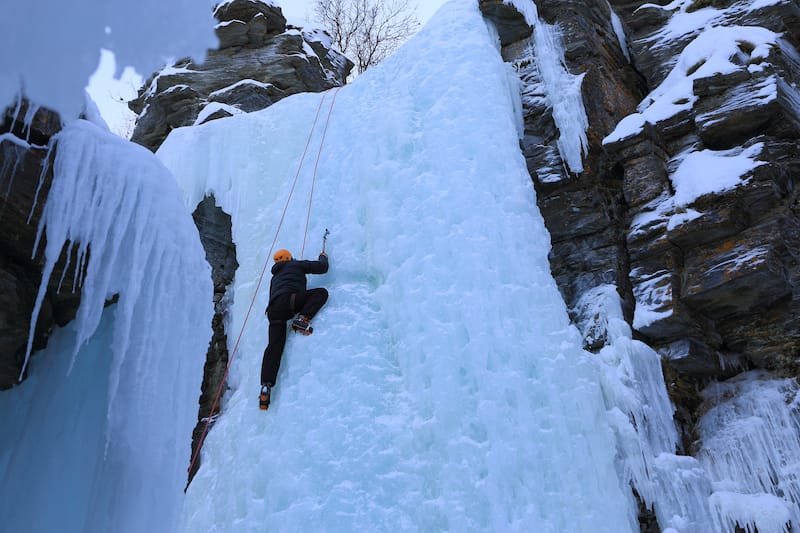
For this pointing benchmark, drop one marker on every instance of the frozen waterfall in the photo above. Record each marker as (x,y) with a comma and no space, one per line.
(444,388)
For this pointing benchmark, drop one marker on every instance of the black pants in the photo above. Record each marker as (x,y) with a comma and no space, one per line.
(283,308)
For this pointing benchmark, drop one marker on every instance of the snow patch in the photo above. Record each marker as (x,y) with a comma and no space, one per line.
(317,34)
(713,171)
(218,5)
(211,108)
(653,299)
(240,83)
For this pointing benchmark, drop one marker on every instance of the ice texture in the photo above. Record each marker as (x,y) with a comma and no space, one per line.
(750,443)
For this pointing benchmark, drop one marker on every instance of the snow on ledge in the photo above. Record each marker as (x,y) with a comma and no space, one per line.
(240,83)
(755,512)
(716,51)
(212,108)
(223,3)
(711,171)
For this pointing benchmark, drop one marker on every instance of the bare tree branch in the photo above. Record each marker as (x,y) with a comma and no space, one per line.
(367,31)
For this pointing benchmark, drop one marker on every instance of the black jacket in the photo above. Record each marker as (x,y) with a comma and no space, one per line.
(290,276)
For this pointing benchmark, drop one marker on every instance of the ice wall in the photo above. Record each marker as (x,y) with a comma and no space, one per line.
(443,388)
(99,432)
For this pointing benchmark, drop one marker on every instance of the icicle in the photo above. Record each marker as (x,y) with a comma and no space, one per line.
(616,23)
(122,215)
(7,162)
(42,175)
(762,513)
(18,108)
(641,415)
(682,490)
(751,446)
(30,114)
(562,89)
(564,94)
(37,307)
(68,256)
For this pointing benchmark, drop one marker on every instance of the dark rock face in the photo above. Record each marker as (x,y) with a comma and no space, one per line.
(583,212)
(259,61)
(723,279)
(214,226)
(718,285)
(25,180)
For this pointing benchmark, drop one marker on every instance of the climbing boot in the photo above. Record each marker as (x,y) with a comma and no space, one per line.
(263,398)
(302,324)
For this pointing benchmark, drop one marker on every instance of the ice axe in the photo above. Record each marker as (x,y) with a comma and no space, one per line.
(324,239)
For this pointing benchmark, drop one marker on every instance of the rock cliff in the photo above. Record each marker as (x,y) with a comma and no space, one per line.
(676,95)
(214,226)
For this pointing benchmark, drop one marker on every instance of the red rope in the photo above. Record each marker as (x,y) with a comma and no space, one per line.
(255,293)
(316,164)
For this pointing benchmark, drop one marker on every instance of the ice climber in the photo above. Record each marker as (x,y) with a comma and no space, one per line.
(288,297)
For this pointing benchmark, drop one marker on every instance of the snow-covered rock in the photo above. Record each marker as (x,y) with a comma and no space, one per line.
(259,61)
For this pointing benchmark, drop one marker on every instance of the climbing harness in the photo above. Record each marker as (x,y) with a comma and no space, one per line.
(208,420)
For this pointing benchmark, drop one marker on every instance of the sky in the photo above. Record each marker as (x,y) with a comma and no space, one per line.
(111,89)
(301,8)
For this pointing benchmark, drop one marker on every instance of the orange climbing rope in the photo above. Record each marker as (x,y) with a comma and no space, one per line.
(218,395)
(314,174)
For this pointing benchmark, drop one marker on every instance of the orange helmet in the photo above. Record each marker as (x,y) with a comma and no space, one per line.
(282,255)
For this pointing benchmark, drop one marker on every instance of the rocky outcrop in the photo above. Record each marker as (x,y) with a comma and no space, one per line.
(259,61)
(709,278)
(25,180)
(214,226)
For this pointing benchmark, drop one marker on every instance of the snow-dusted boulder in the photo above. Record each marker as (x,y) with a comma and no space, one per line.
(258,62)
(247,22)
